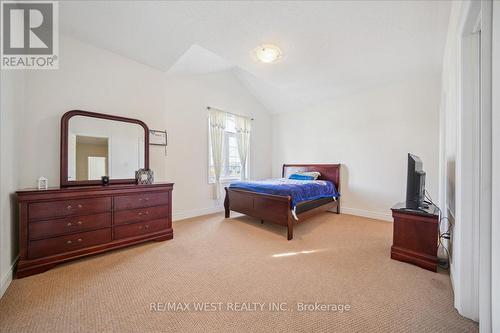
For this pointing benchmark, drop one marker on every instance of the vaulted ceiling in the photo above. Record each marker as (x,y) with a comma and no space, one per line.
(330,47)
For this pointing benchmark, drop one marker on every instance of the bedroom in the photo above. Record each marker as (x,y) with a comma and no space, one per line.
(360,84)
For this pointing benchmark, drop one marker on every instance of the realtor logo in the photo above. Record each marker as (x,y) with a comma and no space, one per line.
(29,35)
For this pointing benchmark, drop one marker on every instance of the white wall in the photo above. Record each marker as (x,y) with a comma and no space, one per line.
(449,125)
(11,113)
(187,98)
(88,79)
(96,80)
(370,133)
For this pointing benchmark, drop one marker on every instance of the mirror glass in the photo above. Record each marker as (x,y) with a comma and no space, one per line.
(102,147)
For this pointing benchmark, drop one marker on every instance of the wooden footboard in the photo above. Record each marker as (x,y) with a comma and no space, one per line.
(267,207)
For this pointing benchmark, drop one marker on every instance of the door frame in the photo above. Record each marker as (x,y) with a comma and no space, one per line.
(495,182)
(472,235)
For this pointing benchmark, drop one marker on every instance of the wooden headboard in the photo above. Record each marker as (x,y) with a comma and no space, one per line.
(329,172)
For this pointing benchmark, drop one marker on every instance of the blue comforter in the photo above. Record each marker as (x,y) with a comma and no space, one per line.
(298,190)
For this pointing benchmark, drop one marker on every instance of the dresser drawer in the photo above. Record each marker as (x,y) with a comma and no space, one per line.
(141,200)
(67,225)
(61,244)
(43,210)
(140,214)
(138,229)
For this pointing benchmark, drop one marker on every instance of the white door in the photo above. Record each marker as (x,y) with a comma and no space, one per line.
(97,167)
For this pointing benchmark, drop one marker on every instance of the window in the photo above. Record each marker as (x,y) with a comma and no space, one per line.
(231,169)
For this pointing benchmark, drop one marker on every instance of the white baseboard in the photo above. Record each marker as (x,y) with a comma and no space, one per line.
(7,279)
(345,210)
(366,213)
(196,212)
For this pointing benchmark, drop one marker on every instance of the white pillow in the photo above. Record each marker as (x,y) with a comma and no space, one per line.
(314,174)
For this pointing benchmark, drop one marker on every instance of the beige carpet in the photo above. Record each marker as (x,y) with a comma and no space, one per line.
(339,259)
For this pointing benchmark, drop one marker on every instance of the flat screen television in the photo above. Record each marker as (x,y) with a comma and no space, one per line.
(415,183)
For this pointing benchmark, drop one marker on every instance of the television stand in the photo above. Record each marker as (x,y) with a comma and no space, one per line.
(415,236)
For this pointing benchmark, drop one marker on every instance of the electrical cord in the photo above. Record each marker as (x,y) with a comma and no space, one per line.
(444,235)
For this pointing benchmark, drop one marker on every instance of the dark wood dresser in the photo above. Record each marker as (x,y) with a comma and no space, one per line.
(415,237)
(58,225)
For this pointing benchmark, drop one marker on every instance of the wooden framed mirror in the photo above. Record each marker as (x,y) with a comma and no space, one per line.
(96,144)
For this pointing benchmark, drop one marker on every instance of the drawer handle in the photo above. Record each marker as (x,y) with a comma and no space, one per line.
(145,199)
(70,224)
(147,226)
(79,240)
(80,206)
(145,213)
(69,242)
(69,207)
(140,227)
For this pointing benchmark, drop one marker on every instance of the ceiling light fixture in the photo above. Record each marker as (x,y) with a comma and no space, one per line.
(268,53)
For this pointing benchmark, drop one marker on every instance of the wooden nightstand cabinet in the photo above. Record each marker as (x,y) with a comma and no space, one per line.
(415,237)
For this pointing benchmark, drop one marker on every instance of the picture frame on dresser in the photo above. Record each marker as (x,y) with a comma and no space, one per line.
(82,218)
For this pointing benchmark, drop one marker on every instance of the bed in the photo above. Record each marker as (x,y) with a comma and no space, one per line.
(281,209)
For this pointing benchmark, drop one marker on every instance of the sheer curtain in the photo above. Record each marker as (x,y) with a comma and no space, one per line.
(217,123)
(243,128)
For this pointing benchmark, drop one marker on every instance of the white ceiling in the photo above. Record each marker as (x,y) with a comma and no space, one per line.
(198,60)
(330,47)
